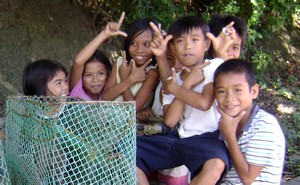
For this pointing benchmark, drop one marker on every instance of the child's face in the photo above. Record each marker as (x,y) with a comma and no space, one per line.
(190,47)
(233,94)
(58,85)
(94,79)
(172,60)
(234,50)
(139,48)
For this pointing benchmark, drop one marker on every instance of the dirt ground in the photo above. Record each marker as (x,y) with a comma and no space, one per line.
(31,30)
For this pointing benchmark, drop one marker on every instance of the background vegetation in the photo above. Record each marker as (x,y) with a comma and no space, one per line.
(58,29)
(272,47)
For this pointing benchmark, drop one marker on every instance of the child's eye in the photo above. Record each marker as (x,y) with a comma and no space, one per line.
(87,75)
(133,43)
(220,91)
(236,48)
(238,90)
(147,44)
(179,41)
(195,39)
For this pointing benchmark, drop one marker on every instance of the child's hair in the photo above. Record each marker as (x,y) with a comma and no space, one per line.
(186,24)
(100,56)
(36,75)
(217,22)
(237,66)
(135,29)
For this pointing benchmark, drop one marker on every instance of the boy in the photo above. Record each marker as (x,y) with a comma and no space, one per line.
(254,138)
(228,34)
(195,143)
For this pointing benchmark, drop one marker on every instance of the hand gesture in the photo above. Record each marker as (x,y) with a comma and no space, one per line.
(124,69)
(224,39)
(113,28)
(196,75)
(171,83)
(144,114)
(227,124)
(159,44)
(138,74)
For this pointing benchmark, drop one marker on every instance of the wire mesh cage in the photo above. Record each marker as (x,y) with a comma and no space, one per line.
(62,140)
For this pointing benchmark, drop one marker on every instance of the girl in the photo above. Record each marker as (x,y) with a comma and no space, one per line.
(91,68)
(47,78)
(136,80)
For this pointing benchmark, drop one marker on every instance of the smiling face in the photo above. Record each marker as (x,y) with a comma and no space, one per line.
(139,48)
(233,94)
(94,79)
(234,50)
(189,48)
(58,85)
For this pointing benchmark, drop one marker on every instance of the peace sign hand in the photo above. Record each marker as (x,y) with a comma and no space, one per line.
(113,28)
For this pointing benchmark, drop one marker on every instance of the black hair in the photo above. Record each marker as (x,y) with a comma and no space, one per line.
(36,75)
(187,23)
(136,28)
(100,56)
(238,66)
(217,22)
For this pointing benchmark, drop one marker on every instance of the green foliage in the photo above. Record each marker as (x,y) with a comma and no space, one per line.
(263,20)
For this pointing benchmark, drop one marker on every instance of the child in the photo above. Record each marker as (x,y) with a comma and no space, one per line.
(254,138)
(228,34)
(91,68)
(137,80)
(47,78)
(195,142)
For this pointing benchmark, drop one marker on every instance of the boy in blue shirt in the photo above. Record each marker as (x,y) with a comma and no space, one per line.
(188,99)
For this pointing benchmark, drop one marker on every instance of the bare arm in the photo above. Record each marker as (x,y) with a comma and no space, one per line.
(111,29)
(228,126)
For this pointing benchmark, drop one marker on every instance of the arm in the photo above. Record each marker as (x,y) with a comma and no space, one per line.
(228,126)
(203,100)
(111,29)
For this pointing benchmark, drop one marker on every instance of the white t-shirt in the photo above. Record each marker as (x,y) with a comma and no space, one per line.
(194,121)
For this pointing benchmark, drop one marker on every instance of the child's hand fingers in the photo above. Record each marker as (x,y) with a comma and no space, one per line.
(210,36)
(188,70)
(147,63)
(124,57)
(155,28)
(121,20)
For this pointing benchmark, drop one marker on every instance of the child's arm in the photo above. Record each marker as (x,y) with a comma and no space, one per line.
(228,126)
(145,91)
(203,100)
(111,29)
(223,41)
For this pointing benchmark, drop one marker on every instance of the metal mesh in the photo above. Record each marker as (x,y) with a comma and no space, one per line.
(65,141)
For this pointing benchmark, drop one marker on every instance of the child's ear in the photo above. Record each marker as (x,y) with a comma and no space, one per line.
(207,43)
(254,91)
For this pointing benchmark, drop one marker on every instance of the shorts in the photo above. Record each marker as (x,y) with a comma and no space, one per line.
(164,151)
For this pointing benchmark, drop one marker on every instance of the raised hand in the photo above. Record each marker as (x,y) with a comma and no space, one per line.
(159,44)
(196,75)
(222,42)
(227,124)
(113,28)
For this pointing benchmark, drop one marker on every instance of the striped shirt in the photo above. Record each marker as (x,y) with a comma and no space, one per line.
(263,144)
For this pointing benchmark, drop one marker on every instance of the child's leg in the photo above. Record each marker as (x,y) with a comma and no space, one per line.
(210,173)
(141,177)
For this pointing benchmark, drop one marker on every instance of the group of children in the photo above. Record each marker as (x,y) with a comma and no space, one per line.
(217,133)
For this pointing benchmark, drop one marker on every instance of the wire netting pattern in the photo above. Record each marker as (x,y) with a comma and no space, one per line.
(66,141)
